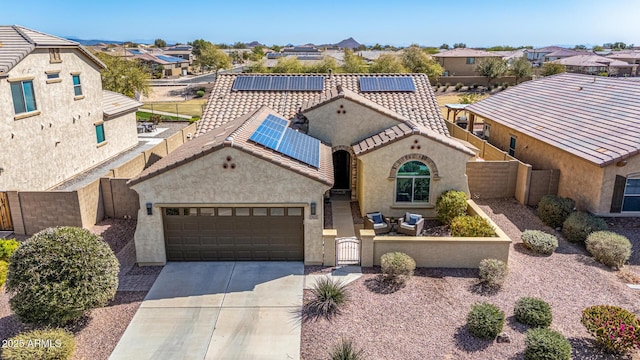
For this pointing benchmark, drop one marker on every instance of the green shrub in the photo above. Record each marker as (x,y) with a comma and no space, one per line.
(485,321)
(75,271)
(200,93)
(194,119)
(451,204)
(546,344)
(580,224)
(533,312)
(614,328)
(459,86)
(4,267)
(397,267)
(493,272)
(7,247)
(554,210)
(609,248)
(539,241)
(345,350)
(471,226)
(328,295)
(50,344)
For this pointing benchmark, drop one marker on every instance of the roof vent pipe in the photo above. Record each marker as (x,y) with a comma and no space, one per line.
(330,73)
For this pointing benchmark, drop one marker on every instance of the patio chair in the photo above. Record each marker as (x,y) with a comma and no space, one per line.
(411,224)
(377,222)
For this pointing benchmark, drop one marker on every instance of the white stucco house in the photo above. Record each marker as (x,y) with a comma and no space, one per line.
(270,148)
(55,119)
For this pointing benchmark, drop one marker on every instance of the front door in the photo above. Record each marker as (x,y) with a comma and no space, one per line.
(341,168)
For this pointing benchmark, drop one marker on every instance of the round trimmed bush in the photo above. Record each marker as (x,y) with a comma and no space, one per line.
(59,273)
(546,344)
(200,93)
(533,312)
(52,344)
(471,226)
(615,329)
(485,321)
(397,266)
(554,210)
(609,248)
(493,272)
(539,241)
(580,224)
(450,205)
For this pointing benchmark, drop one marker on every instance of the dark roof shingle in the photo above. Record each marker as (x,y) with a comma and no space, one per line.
(594,118)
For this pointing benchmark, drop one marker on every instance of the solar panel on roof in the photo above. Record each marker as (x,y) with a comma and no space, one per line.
(386,83)
(278,83)
(274,134)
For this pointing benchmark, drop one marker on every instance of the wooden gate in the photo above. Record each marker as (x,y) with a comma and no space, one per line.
(5,214)
(347,251)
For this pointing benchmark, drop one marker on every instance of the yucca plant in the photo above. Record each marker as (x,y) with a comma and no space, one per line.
(345,350)
(329,295)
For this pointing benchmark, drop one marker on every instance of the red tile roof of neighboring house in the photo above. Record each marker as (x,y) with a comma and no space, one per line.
(236,134)
(16,42)
(225,105)
(595,118)
(465,52)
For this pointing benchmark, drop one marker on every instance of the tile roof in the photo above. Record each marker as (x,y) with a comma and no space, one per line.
(225,105)
(114,104)
(466,52)
(594,118)
(401,131)
(625,54)
(159,59)
(16,42)
(591,60)
(567,52)
(236,134)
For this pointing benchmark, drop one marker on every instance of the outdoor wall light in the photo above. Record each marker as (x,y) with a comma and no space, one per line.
(149,209)
(313,208)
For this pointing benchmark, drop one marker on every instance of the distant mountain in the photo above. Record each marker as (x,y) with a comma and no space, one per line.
(254,44)
(348,43)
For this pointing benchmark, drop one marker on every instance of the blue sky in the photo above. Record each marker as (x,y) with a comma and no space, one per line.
(474,22)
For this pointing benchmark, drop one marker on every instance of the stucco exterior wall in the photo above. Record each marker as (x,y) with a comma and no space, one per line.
(632,168)
(344,122)
(59,140)
(579,179)
(377,190)
(253,182)
(457,66)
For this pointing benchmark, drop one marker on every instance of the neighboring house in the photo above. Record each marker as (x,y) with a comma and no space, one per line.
(596,64)
(536,56)
(510,55)
(270,148)
(171,66)
(181,51)
(564,53)
(462,61)
(56,120)
(628,56)
(584,126)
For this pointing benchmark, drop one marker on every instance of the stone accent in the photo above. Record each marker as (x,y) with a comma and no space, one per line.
(354,168)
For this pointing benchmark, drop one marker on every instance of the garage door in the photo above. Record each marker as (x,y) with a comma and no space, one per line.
(230,234)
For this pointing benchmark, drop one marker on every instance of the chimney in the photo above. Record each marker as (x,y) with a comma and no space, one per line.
(339,88)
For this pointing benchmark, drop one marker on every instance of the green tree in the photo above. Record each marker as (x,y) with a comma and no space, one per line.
(579,47)
(376,47)
(444,46)
(618,45)
(520,68)
(276,48)
(550,68)
(353,63)
(239,45)
(289,64)
(258,67)
(459,45)
(198,45)
(431,50)
(387,63)
(257,53)
(417,61)
(123,76)
(491,68)
(213,58)
(159,43)
(327,63)
(361,47)
(598,48)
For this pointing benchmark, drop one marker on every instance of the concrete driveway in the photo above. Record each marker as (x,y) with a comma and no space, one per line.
(218,310)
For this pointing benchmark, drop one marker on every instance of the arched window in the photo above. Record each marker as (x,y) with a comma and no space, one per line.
(412,182)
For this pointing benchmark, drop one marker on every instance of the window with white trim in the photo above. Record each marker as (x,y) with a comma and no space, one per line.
(631,201)
(413,180)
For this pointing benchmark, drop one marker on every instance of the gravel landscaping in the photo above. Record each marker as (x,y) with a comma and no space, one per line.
(426,319)
(100,330)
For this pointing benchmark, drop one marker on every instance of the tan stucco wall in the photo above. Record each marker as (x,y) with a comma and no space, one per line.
(632,168)
(356,123)
(579,179)
(457,66)
(377,189)
(254,182)
(43,150)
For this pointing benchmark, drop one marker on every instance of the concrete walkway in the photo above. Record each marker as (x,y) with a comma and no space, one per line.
(218,310)
(342,218)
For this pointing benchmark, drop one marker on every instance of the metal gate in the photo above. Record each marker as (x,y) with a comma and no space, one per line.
(347,251)
(5,214)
